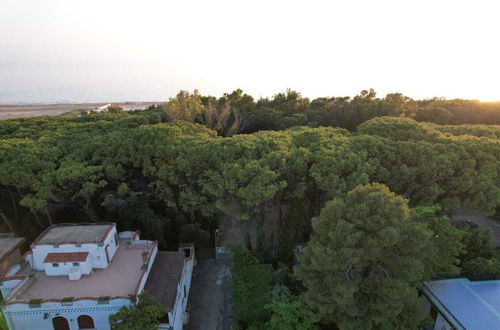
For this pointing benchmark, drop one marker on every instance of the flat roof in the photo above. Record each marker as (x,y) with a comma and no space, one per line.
(74,233)
(8,244)
(119,279)
(471,305)
(164,277)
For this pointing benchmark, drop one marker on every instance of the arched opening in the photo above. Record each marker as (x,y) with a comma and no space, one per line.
(60,323)
(85,322)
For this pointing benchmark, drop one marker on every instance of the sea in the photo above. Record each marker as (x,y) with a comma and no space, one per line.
(67,83)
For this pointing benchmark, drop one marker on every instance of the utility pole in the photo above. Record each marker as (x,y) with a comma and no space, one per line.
(216,238)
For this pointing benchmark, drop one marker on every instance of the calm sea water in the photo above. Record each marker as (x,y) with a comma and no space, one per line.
(83,83)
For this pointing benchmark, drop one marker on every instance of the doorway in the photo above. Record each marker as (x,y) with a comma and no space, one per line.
(85,322)
(60,323)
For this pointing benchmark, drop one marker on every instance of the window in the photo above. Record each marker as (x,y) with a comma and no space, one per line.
(78,245)
(184,290)
(76,264)
(116,239)
(55,264)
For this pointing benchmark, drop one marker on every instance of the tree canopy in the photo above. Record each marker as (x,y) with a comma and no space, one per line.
(364,259)
(143,315)
(175,171)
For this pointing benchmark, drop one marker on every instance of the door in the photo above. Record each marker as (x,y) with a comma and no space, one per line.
(85,322)
(60,323)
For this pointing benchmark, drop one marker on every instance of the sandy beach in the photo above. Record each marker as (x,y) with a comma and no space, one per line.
(25,111)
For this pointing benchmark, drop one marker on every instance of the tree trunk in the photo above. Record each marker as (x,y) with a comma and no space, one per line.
(38,220)
(7,221)
(49,217)
(14,205)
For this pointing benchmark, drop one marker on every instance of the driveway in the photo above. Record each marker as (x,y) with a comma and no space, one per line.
(481,221)
(210,296)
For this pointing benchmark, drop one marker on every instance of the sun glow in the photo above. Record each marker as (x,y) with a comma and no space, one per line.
(318,48)
(492,100)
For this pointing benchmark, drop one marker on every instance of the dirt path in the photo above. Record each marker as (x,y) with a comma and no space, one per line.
(210,296)
(481,221)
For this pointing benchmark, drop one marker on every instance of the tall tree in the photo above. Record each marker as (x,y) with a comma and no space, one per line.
(362,264)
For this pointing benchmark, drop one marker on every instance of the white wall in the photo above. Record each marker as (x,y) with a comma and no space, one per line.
(97,254)
(8,286)
(64,268)
(177,315)
(22,317)
(129,235)
(144,278)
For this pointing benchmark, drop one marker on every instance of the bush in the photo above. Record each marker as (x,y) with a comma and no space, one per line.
(287,312)
(251,284)
(193,233)
(141,316)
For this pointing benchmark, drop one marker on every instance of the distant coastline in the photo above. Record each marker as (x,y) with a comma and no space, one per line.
(8,111)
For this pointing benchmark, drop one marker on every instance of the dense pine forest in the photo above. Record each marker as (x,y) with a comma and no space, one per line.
(366,184)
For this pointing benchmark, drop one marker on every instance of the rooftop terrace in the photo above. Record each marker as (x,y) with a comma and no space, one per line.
(75,234)
(119,279)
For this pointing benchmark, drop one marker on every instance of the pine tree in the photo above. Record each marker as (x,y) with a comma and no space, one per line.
(364,261)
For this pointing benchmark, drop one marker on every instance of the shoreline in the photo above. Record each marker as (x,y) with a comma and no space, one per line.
(14,111)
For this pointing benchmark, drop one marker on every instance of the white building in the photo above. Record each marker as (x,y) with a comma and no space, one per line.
(75,276)
(102,108)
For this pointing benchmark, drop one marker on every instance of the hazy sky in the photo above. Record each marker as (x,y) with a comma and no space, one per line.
(422,48)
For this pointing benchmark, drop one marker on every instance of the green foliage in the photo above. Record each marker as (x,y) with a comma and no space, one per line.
(193,233)
(174,180)
(238,112)
(251,287)
(445,245)
(481,268)
(287,312)
(184,106)
(363,262)
(427,166)
(67,301)
(33,303)
(290,233)
(144,315)
(3,322)
(480,261)
(114,108)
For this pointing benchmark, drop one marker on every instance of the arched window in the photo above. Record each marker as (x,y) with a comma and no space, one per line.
(85,322)
(60,323)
